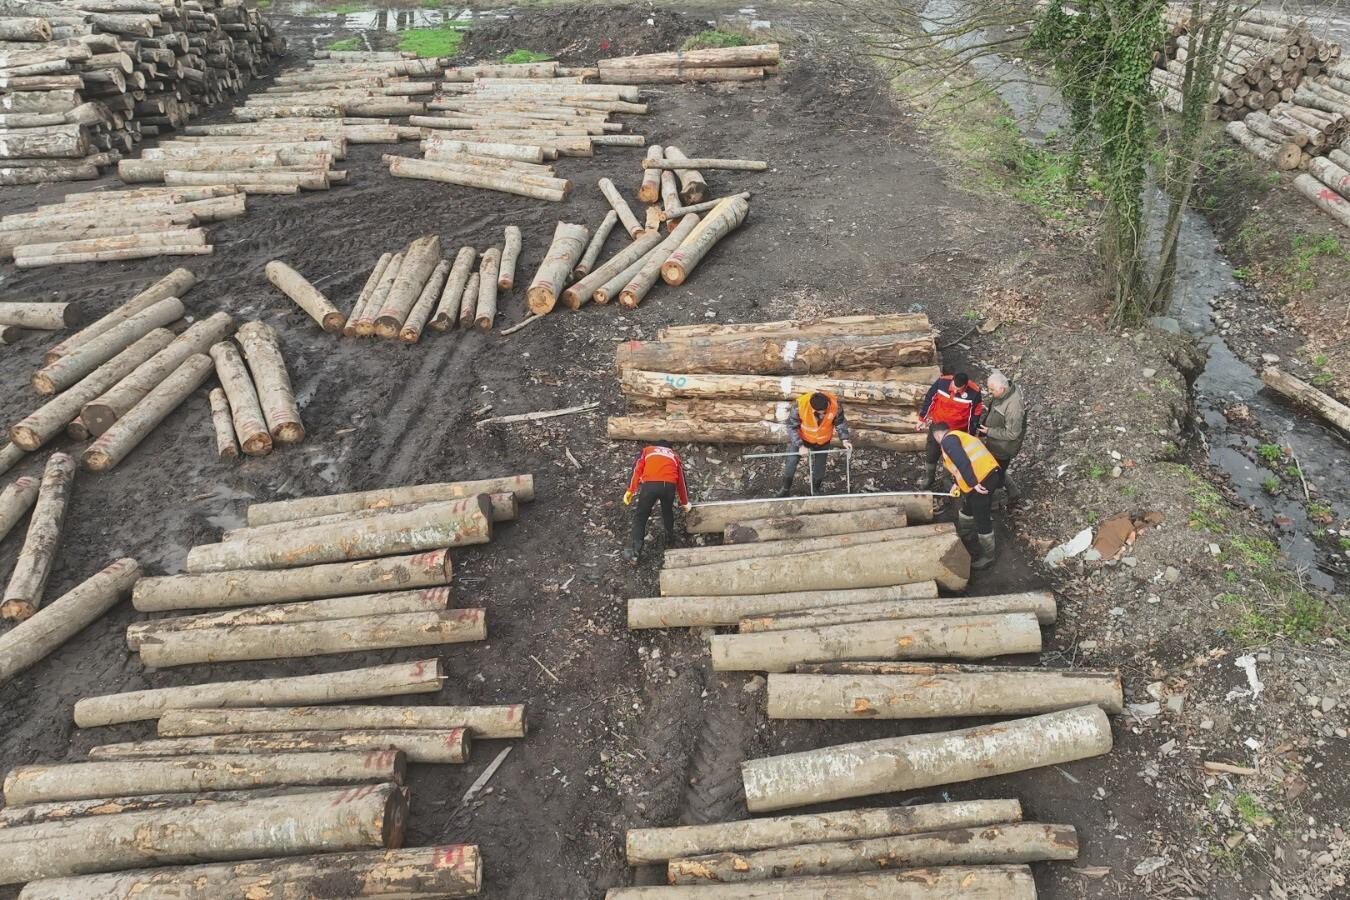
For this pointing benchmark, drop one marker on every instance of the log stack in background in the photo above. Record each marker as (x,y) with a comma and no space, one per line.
(737,384)
(81,83)
(751,63)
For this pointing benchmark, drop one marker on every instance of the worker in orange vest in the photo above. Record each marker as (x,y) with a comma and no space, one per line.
(975,476)
(812,425)
(658,477)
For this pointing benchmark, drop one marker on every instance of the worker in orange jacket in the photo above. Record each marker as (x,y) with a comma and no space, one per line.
(812,425)
(955,401)
(975,476)
(658,476)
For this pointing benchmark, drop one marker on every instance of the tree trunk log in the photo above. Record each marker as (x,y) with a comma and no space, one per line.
(821,525)
(25,28)
(53,142)
(892,419)
(249,424)
(709,518)
(653,428)
(23,594)
(100,414)
(452,870)
(481,721)
(699,611)
(995,693)
(1329,201)
(519,152)
(736,165)
(363,299)
(681,211)
(644,846)
(635,289)
(15,501)
(751,55)
(425,600)
(755,387)
(468,304)
(485,310)
(959,637)
(419,677)
(1039,603)
(1281,156)
(774,356)
(48,420)
(1332,175)
(418,745)
(1306,395)
(621,208)
(581,291)
(88,356)
(597,244)
(568,244)
(38,813)
(693,188)
(612,288)
(308,507)
(40,316)
(418,263)
(124,436)
(447,311)
(650,189)
(352,819)
(226,445)
(305,295)
(411,332)
(998,844)
(683,557)
(504,509)
(947,883)
(272,381)
(33,640)
(38,255)
(555,190)
(838,326)
(364,326)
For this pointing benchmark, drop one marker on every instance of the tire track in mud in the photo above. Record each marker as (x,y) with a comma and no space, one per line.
(714,791)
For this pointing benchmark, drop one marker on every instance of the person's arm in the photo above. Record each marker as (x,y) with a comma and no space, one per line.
(928,399)
(951,446)
(794,426)
(1014,419)
(681,490)
(841,424)
(636,480)
(976,411)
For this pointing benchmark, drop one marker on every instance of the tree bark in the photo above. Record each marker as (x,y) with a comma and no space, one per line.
(1040,603)
(452,870)
(693,188)
(25,28)
(756,387)
(364,326)
(447,311)
(709,518)
(33,640)
(650,189)
(566,248)
(644,846)
(519,152)
(685,209)
(504,509)
(418,264)
(555,190)
(468,303)
(724,219)
(925,760)
(670,193)
(683,557)
(38,813)
(892,419)
(838,326)
(305,295)
(597,244)
(412,328)
(136,247)
(1329,201)
(997,844)
(450,746)
(15,500)
(636,288)
(621,208)
(751,55)
(351,819)
(1281,156)
(698,611)
(300,639)
(959,637)
(273,382)
(363,299)
(809,526)
(88,356)
(226,446)
(40,316)
(308,507)
(47,421)
(481,721)
(124,436)
(583,289)
(485,310)
(249,424)
(1306,395)
(737,165)
(992,693)
(774,356)
(23,594)
(946,883)
(53,142)
(419,677)
(100,414)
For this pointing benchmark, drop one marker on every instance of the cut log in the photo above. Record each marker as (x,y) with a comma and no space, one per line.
(412,328)
(482,721)
(881,418)
(597,244)
(684,210)
(100,414)
(1329,201)
(1040,603)
(555,190)
(33,640)
(1304,394)
(447,311)
(650,189)
(750,55)
(677,612)
(273,382)
(305,295)
(580,292)
(485,311)
(1281,156)
(249,425)
(419,677)
(418,263)
(351,819)
(621,208)
(670,193)
(948,883)
(25,28)
(363,299)
(425,745)
(568,244)
(637,286)
(522,486)
(664,385)
(774,356)
(10,456)
(450,870)
(681,557)
(954,637)
(124,436)
(838,326)
(37,813)
(40,316)
(88,356)
(506,273)
(468,304)
(52,142)
(993,693)
(364,326)
(15,501)
(614,287)
(226,446)
(301,639)
(693,188)
(23,594)
(998,844)
(644,846)
(925,760)
(710,518)
(735,165)
(824,524)
(48,421)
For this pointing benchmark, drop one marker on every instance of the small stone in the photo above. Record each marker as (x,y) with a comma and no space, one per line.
(1167,748)
(1324,859)
(1131,562)
(1175,703)
(1117,611)
(1115,471)
(1311,700)
(754,685)
(1206,724)
(1149,865)
(1149,373)
(1269,358)
(1151,598)
(1328,704)
(1155,689)
(1171,575)
(1087,645)
(1092,555)
(1215,549)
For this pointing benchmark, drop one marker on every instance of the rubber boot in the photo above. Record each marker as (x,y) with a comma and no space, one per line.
(1011,489)
(785,489)
(988,552)
(930,476)
(632,555)
(818,487)
(965,530)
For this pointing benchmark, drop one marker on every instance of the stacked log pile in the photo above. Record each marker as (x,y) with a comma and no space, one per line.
(738,383)
(254,409)
(83,81)
(101,226)
(752,63)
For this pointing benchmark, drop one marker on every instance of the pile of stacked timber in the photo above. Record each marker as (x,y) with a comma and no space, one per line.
(100,226)
(1267,57)
(254,408)
(251,166)
(752,63)
(1327,184)
(83,81)
(727,384)
(18,319)
(375,85)
(674,183)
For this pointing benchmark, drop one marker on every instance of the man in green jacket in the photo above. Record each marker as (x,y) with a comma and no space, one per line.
(1004,424)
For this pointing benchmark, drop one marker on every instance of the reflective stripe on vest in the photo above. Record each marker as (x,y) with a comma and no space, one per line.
(817,431)
(981,460)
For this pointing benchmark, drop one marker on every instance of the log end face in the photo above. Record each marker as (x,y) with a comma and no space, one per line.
(43,383)
(17,610)
(287,433)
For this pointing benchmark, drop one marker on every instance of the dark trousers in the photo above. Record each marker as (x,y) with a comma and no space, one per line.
(648,495)
(932,452)
(818,461)
(980,507)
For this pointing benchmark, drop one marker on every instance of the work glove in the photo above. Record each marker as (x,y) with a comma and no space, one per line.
(627,498)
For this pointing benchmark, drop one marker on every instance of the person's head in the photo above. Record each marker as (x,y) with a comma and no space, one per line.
(939,430)
(665,444)
(819,402)
(997,383)
(960,380)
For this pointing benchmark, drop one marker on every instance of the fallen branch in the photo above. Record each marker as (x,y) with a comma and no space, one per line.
(536,416)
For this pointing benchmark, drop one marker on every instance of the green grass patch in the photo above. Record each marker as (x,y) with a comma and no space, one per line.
(263,4)
(1251,812)
(1270,452)
(1210,512)
(715,38)
(441,41)
(1271,485)
(351,43)
(526,56)
(1320,513)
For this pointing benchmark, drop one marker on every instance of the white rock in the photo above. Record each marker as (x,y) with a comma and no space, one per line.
(1149,865)
(1070,548)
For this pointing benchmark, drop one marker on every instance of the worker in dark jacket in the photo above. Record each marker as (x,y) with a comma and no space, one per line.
(954,401)
(812,426)
(1004,424)
(658,477)
(975,477)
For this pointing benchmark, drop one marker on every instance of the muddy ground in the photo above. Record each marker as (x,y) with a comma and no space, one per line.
(860,213)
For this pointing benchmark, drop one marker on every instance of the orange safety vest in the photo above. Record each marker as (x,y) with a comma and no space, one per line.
(814,430)
(981,460)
